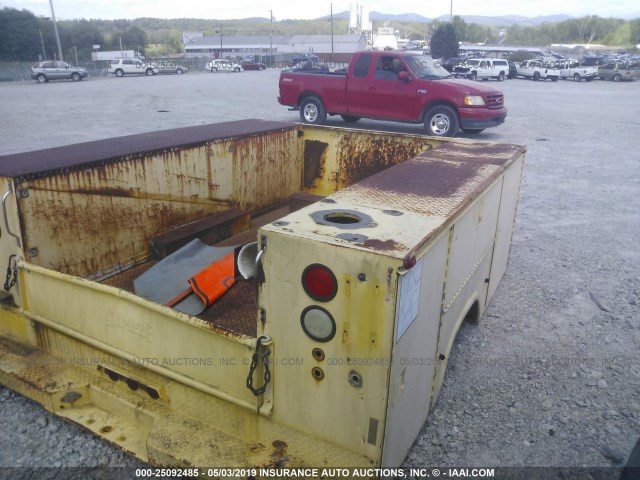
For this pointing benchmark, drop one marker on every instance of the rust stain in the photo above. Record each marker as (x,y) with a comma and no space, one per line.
(41,163)
(359,157)
(383,245)
(279,455)
(314,162)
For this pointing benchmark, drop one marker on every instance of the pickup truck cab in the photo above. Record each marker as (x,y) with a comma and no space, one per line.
(396,86)
(574,70)
(537,70)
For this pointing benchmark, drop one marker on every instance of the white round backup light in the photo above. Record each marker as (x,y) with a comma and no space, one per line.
(318,324)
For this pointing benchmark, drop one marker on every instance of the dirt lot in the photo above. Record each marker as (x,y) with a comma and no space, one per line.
(550,376)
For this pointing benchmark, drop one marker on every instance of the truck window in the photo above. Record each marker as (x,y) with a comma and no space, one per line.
(388,68)
(362,66)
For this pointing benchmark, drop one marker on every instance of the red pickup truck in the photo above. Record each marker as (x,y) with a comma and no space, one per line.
(397,86)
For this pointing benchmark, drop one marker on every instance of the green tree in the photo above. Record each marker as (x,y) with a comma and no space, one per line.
(444,42)
(135,38)
(635,31)
(19,37)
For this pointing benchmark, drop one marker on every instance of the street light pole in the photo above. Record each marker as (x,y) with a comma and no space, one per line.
(451,12)
(44,53)
(55,28)
(220,41)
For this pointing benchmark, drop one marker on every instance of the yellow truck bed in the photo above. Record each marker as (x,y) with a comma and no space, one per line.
(372,249)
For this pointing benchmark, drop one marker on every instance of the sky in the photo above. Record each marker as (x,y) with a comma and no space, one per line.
(300,9)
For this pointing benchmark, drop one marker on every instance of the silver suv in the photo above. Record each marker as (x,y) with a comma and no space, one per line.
(131,66)
(618,71)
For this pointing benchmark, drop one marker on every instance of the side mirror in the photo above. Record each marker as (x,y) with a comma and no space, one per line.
(404,76)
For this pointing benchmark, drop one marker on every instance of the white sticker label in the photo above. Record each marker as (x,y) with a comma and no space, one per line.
(409,302)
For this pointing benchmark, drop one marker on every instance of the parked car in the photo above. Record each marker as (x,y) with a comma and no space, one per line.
(537,70)
(304,57)
(251,65)
(574,70)
(399,86)
(223,65)
(484,68)
(309,66)
(132,66)
(455,66)
(170,67)
(619,70)
(45,71)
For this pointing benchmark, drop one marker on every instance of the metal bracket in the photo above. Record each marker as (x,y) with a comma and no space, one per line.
(6,218)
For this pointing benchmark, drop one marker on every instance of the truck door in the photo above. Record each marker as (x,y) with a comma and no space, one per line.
(387,96)
(358,86)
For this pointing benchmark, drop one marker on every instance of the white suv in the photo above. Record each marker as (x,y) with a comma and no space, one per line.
(222,65)
(485,68)
(131,66)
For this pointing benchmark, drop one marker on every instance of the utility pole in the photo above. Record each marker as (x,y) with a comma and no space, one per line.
(271,39)
(332,33)
(44,54)
(451,12)
(220,41)
(55,29)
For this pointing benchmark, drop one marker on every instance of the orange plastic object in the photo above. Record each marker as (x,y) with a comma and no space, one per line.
(214,281)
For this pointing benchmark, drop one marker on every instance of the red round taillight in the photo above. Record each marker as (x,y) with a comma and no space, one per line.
(319,282)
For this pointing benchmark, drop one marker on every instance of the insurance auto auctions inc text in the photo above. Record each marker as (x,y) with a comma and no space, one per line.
(384,473)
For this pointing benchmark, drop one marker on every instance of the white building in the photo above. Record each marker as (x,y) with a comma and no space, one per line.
(279,47)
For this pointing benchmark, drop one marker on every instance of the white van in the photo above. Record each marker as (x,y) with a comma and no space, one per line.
(486,68)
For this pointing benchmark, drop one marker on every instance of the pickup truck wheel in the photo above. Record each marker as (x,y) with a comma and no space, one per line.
(473,76)
(312,111)
(214,70)
(536,76)
(149,72)
(76,77)
(179,71)
(41,78)
(237,69)
(501,76)
(577,77)
(617,77)
(441,121)
(119,73)
(350,118)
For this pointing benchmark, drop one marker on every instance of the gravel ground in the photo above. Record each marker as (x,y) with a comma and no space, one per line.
(549,377)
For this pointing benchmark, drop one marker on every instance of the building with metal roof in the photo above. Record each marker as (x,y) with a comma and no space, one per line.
(279,47)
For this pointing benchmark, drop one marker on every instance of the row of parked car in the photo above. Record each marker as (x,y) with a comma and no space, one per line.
(43,72)
(536,69)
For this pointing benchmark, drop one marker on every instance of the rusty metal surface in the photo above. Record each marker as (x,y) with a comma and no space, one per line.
(27,165)
(410,202)
(236,310)
(314,161)
(335,158)
(90,217)
(360,157)
(438,182)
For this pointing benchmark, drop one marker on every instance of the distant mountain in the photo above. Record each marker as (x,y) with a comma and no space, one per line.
(399,17)
(504,21)
(381,17)
(508,20)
